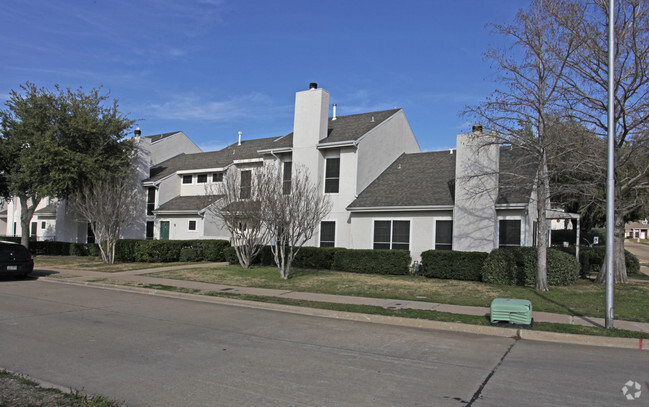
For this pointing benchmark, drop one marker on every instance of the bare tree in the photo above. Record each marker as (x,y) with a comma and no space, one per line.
(586,95)
(291,213)
(235,203)
(521,111)
(109,205)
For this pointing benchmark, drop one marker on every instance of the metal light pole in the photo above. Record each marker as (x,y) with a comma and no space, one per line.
(610,184)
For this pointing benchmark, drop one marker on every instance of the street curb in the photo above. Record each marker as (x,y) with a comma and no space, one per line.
(624,343)
(524,334)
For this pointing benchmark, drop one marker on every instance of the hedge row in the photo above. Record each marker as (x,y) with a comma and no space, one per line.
(517,266)
(455,265)
(592,258)
(132,250)
(48,247)
(339,259)
(129,250)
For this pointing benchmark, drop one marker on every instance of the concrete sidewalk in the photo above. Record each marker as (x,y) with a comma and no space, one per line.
(139,276)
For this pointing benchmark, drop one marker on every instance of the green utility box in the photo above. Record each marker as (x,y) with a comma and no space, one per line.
(518,312)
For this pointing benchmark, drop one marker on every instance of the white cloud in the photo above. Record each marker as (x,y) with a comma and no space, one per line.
(193,107)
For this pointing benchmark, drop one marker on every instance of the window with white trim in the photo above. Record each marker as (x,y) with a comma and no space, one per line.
(192,225)
(332,175)
(392,234)
(286,178)
(201,179)
(217,177)
(187,179)
(327,234)
(444,235)
(246,185)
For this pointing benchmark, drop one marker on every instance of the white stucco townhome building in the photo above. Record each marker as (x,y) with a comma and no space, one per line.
(385,192)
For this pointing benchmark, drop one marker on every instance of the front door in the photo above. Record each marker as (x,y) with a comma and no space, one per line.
(164,230)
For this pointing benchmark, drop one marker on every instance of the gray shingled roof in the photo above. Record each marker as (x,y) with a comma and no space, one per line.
(158,137)
(428,179)
(418,179)
(347,128)
(212,159)
(188,203)
(344,128)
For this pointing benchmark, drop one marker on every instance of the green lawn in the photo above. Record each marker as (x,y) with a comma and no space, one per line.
(584,298)
(92,264)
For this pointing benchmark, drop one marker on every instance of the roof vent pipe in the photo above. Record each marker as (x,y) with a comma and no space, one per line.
(239,139)
(334,118)
(313,85)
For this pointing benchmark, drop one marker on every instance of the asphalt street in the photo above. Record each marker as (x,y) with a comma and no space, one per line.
(155,351)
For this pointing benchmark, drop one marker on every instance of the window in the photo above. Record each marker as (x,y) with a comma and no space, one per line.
(217,177)
(150,201)
(192,225)
(201,178)
(187,179)
(444,235)
(149,230)
(510,233)
(43,225)
(34,229)
(392,234)
(332,175)
(246,184)
(286,179)
(327,234)
(90,235)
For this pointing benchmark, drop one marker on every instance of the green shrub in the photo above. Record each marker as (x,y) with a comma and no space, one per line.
(517,266)
(212,250)
(455,265)
(125,250)
(321,258)
(93,249)
(592,259)
(372,261)
(189,254)
(78,249)
(230,255)
(158,250)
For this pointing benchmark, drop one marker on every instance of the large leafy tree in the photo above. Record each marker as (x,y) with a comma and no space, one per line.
(53,142)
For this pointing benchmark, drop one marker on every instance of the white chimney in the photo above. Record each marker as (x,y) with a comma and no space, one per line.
(239,139)
(334,118)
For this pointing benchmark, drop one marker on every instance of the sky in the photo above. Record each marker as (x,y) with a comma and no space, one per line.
(212,68)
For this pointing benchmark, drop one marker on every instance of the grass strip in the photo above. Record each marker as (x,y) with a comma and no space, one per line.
(403,313)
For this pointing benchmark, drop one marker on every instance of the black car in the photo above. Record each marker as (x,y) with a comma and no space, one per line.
(15,260)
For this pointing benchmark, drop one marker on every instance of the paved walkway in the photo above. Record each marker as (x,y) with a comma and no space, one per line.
(139,276)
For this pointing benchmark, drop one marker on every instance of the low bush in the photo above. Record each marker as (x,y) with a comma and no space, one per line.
(517,266)
(372,261)
(125,250)
(315,258)
(591,260)
(78,249)
(230,255)
(188,254)
(212,250)
(455,265)
(158,250)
